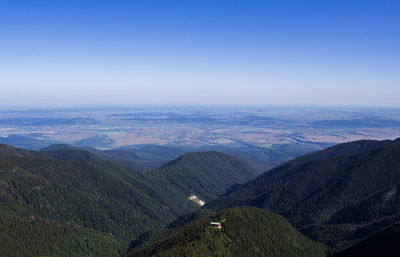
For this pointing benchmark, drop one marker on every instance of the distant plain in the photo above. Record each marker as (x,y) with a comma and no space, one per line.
(267,135)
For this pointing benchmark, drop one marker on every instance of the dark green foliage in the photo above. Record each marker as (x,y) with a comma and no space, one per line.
(349,148)
(81,193)
(57,152)
(246,231)
(204,174)
(342,236)
(14,151)
(331,197)
(383,243)
(189,217)
(34,236)
(154,235)
(121,157)
(76,186)
(267,157)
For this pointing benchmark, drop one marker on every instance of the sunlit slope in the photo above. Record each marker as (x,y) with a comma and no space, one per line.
(246,231)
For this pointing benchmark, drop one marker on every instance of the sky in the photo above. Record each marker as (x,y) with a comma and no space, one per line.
(199,52)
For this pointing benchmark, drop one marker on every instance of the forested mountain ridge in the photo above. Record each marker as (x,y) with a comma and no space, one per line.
(204,174)
(124,158)
(246,231)
(339,196)
(76,187)
(64,153)
(79,192)
(321,197)
(15,151)
(349,148)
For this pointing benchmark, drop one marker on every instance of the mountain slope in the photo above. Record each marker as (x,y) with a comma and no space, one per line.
(76,187)
(204,174)
(124,158)
(383,243)
(246,231)
(14,151)
(34,236)
(57,152)
(357,189)
(343,149)
(81,193)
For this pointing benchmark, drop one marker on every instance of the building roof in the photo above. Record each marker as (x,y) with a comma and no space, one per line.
(215,223)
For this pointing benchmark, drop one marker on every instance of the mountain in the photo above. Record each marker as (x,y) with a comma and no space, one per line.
(76,187)
(56,147)
(202,174)
(343,149)
(57,152)
(328,198)
(14,151)
(104,197)
(246,231)
(127,159)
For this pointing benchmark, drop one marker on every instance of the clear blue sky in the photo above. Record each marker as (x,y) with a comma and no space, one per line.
(326,52)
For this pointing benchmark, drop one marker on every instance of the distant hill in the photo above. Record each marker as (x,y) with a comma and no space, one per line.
(246,231)
(58,152)
(331,196)
(56,147)
(124,158)
(14,151)
(349,148)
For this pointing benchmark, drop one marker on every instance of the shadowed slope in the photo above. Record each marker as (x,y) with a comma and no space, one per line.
(327,193)
(383,243)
